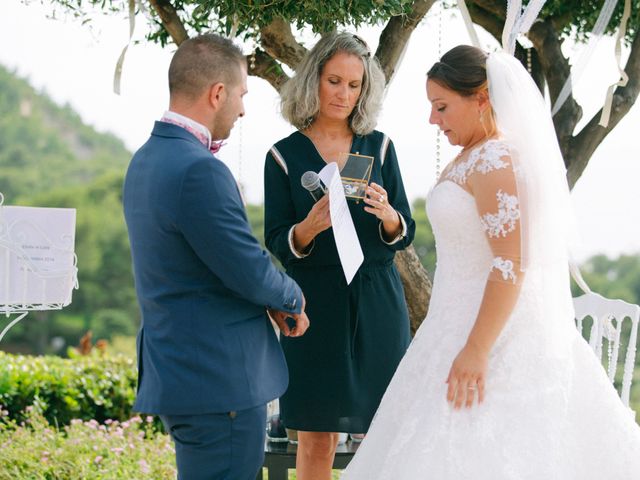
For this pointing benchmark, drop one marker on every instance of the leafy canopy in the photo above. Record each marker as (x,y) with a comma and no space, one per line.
(199,16)
(579,17)
(574,18)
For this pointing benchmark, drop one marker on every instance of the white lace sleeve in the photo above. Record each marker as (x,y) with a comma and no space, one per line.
(493,185)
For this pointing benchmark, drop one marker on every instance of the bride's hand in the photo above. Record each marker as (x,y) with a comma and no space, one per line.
(466,377)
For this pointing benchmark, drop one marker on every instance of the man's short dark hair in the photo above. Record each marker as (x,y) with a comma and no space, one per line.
(202,61)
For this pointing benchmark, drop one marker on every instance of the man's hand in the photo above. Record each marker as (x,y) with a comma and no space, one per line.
(302,323)
(301,320)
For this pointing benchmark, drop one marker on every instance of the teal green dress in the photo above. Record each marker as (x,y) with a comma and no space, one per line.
(340,368)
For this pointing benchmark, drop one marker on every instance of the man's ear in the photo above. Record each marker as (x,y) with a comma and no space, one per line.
(217,95)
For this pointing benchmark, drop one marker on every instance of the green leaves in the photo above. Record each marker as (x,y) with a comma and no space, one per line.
(320,16)
(613,278)
(201,16)
(424,242)
(573,17)
(92,387)
(577,18)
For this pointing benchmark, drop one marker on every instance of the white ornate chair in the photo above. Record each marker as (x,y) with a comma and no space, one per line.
(608,321)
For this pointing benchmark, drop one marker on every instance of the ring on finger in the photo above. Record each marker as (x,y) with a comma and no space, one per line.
(381,199)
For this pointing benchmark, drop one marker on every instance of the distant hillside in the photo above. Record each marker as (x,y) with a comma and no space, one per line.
(44,146)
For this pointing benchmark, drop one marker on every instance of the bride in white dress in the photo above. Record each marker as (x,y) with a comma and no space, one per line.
(498,384)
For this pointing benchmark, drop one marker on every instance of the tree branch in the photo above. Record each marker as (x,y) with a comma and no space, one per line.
(560,22)
(170,20)
(585,143)
(497,8)
(488,20)
(267,68)
(556,71)
(396,34)
(279,42)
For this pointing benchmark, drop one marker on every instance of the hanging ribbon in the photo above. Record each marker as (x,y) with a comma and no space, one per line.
(234,26)
(576,274)
(624,78)
(468,23)
(118,71)
(578,68)
(518,23)
(513,10)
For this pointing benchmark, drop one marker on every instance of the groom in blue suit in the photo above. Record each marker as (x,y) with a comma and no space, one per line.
(208,357)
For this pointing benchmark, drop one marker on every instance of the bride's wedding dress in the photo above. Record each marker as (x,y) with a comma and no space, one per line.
(549,411)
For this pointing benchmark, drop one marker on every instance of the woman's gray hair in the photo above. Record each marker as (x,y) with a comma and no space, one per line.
(300,101)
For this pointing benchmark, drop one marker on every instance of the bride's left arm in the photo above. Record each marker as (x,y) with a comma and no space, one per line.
(493,186)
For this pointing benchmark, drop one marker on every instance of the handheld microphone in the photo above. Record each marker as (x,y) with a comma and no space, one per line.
(311,181)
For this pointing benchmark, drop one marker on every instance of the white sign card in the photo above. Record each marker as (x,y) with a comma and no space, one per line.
(37,264)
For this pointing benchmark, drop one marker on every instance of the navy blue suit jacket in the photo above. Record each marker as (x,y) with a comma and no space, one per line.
(203,281)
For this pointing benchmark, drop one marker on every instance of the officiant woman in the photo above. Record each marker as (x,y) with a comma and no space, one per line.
(340,369)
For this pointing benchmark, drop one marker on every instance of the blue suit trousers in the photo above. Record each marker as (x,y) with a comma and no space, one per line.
(219,446)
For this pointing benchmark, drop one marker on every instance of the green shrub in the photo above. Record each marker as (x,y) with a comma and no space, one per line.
(122,345)
(98,387)
(84,450)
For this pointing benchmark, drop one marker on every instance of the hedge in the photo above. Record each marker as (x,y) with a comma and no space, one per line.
(98,387)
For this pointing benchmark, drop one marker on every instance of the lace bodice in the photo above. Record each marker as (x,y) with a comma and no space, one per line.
(487,175)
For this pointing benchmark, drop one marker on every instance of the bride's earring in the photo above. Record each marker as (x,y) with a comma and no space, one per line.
(481,115)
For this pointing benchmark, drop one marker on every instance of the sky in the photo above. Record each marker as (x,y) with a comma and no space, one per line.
(74,64)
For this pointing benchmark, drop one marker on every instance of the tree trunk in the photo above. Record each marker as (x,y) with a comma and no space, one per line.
(417,286)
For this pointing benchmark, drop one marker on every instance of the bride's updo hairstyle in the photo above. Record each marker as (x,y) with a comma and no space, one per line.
(463,70)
